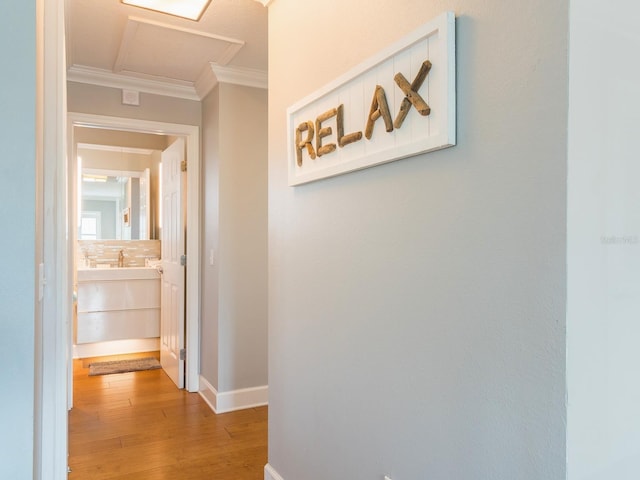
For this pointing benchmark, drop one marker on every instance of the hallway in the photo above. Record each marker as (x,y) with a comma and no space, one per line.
(139,426)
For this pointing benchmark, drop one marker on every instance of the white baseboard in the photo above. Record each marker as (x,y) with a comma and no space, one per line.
(116,347)
(222,402)
(271,474)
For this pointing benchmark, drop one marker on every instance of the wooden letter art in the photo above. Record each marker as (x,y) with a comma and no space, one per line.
(350,137)
(411,91)
(307,142)
(322,132)
(379,108)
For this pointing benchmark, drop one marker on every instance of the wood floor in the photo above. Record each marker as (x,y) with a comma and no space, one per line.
(140,426)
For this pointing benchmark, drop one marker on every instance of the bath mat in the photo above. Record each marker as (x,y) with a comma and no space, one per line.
(122,366)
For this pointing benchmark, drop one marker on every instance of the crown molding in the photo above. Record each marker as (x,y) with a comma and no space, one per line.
(249,77)
(214,74)
(211,75)
(265,2)
(146,84)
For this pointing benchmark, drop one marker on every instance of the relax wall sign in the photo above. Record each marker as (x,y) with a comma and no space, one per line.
(397,104)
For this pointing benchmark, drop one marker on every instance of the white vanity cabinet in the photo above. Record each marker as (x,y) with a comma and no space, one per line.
(118,304)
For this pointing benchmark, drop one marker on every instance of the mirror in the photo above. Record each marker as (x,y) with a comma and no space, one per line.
(114,204)
(118,187)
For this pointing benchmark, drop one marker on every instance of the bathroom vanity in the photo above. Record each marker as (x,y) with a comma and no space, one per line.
(117,304)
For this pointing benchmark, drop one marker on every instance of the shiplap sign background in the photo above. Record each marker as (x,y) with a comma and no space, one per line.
(434,41)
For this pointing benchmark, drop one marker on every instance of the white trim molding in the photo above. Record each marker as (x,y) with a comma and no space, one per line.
(215,73)
(53,326)
(146,84)
(223,402)
(211,75)
(270,473)
(431,128)
(265,2)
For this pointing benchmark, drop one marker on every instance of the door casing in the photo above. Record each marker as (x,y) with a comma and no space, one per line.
(192,293)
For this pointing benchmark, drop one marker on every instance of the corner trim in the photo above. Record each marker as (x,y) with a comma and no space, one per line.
(223,402)
(270,473)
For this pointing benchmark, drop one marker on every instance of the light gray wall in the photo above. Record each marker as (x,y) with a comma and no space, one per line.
(17,243)
(119,138)
(603,306)
(234,320)
(84,98)
(417,309)
(211,177)
(243,237)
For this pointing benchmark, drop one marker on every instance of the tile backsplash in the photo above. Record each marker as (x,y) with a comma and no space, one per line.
(106,252)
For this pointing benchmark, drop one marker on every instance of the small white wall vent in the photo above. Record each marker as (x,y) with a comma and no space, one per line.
(131,97)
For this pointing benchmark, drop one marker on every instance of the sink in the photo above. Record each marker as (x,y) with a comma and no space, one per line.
(123,273)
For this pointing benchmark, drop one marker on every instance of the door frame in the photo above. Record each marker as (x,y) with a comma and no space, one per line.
(193,287)
(53,297)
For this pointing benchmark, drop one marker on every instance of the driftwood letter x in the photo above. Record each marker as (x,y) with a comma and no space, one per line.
(412,96)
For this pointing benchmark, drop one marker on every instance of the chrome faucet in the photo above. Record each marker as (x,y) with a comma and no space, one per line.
(121,259)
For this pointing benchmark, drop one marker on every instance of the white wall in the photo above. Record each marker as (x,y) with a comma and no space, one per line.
(603,326)
(417,309)
(234,319)
(17,243)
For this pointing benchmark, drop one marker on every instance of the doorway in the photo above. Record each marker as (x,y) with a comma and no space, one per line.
(117,311)
(190,134)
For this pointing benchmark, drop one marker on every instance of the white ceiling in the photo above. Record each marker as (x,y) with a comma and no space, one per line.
(121,46)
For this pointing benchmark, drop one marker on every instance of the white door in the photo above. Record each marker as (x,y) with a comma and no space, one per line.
(172,326)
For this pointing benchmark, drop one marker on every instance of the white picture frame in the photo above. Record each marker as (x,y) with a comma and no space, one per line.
(353,94)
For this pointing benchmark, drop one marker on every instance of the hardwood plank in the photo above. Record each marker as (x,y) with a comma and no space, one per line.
(139,426)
